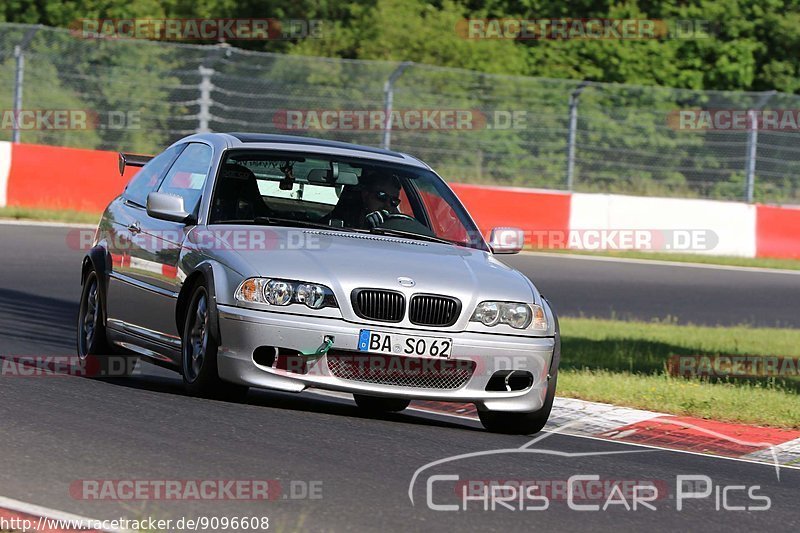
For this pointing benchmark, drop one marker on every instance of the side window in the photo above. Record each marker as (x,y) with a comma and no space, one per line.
(146,180)
(188,174)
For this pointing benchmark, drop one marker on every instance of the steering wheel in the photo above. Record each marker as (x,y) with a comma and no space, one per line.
(400,216)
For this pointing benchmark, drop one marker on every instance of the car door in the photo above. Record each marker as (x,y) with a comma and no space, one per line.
(153,267)
(124,303)
(186,178)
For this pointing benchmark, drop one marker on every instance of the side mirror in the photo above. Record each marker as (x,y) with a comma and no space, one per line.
(506,240)
(167,206)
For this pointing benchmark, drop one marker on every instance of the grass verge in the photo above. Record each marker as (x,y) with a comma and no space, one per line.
(756,262)
(49,215)
(625,363)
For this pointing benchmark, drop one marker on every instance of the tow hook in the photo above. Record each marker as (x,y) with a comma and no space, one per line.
(506,381)
(327,344)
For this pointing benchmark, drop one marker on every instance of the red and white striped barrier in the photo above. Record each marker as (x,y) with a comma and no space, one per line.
(5,170)
(671,224)
(54,177)
(778,231)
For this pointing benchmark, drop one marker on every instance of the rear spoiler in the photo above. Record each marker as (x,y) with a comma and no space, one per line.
(132,160)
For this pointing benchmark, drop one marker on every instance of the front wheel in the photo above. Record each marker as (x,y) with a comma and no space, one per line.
(520,423)
(199,352)
(377,405)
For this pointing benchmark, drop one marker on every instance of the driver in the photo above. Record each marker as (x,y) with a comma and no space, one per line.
(380,198)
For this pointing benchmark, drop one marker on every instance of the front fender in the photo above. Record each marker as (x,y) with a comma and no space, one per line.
(216,279)
(556,360)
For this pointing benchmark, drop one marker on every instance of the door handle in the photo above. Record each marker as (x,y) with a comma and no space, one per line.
(134,228)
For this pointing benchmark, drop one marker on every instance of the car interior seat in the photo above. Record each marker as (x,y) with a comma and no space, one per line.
(237,196)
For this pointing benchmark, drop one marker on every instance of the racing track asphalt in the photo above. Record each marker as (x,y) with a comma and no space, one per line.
(57,430)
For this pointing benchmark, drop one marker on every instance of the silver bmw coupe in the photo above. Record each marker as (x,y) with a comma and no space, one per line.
(251,260)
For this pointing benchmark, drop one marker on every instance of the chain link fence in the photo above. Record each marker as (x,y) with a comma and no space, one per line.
(517,131)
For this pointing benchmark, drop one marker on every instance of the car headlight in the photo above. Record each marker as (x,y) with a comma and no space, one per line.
(311,294)
(517,315)
(487,313)
(278,292)
(283,292)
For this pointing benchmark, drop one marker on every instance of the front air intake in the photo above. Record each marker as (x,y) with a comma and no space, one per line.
(401,371)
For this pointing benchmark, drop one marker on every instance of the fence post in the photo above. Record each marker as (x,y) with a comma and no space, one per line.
(388,101)
(573,125)
(752,143)
(19,73)
(205,86)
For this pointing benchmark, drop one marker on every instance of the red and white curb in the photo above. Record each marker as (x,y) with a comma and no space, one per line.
(777,447)
(658,430)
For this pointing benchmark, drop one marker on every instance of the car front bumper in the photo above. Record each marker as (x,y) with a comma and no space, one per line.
(244,330)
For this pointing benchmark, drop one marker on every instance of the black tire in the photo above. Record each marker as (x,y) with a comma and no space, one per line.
(95,353)
(520,423)
(377,405)
(199,351)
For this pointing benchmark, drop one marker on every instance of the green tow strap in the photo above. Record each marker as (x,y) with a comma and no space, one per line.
(326,345)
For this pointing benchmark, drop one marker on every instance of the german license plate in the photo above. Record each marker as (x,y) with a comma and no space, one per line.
(411,345)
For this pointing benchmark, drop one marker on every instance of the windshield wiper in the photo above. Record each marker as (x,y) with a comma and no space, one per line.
(409,235)
(273,221)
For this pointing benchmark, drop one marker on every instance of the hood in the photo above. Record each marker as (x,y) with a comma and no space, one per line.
(347,260)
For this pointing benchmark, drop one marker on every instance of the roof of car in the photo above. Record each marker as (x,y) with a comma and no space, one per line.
(313,141)
(269,140)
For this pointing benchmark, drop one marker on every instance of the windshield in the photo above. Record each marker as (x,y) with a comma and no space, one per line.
(267,187)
